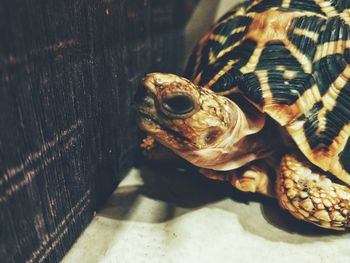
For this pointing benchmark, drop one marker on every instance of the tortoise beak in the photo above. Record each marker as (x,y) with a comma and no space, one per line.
(149,82)
(145,92)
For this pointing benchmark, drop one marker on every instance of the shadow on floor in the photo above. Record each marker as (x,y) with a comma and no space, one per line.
(175,192)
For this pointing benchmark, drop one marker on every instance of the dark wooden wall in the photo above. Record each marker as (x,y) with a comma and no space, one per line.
(68,72)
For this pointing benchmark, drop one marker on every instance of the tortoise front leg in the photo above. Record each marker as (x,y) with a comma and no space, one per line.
(253,178)
(312,196)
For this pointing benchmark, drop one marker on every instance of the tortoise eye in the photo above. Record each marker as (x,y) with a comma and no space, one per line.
(178,104)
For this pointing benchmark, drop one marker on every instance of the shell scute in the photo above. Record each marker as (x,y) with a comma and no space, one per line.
(292,60)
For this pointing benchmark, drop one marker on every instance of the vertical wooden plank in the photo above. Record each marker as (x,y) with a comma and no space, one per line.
(68,74)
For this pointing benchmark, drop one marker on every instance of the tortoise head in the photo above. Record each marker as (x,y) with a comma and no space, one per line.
(197,124)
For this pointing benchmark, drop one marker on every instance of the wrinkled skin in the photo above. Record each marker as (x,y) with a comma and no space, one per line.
(206,129)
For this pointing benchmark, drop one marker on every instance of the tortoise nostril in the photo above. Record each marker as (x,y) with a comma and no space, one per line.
(178,104)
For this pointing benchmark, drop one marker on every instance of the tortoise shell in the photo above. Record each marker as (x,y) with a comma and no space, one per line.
(291,59)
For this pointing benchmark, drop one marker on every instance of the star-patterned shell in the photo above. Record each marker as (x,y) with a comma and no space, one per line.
(291,59)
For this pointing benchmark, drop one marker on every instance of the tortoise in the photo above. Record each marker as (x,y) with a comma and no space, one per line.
(264,103)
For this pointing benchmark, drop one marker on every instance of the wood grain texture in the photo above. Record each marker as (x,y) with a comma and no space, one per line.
(68,74)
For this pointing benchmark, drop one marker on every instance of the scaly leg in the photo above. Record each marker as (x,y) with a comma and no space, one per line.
(253,178)
(311,196)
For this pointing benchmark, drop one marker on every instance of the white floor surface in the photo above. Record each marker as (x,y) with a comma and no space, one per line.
(162,215)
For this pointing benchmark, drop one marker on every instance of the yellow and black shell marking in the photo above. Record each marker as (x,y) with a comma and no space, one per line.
(291,59)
